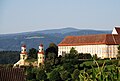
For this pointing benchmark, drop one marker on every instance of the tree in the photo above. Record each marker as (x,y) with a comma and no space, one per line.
(72,55)
(68,67)
(41,75)
(31,76)
(73,51)
(66,76)
(53,48)
(95,57)
(52,53)
(118,55)
(33,53)
(47,66)
(76,74)
(52,58)
(54,76)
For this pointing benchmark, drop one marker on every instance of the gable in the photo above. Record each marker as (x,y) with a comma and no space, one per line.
(116,30)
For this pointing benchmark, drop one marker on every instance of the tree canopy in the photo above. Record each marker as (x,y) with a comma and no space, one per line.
(33,53)
(54,76)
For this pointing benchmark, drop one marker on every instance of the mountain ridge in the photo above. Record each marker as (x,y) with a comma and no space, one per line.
(33,39)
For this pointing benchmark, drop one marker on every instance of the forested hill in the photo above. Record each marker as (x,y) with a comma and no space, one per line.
(33,39)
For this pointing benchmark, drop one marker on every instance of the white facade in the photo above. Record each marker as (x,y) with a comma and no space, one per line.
(102,51)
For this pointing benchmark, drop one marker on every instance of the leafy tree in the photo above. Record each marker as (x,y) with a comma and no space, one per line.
(41,75)
(68,66)
(52,53)
(53,48)
(118,55)
(76,74)
(54,76)
(72,55)
(31,76)
(95,57)
(33,53)
(73,51)
(47,66)
(52,58)
(9,57)
(66,76)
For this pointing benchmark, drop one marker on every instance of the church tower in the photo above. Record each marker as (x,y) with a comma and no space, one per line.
(41,56)
(23,55)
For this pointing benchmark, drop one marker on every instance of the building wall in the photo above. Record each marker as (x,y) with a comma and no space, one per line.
(40,58)
(102,51)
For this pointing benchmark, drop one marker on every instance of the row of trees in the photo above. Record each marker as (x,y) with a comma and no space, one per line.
(9,57)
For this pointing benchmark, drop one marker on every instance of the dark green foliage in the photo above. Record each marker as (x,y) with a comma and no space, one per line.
(69,67)
(31,76)
(53,48)
(9,57)
(84,56)
(76,74)
(47,66)
(73,51)
(66,76)
(41,75)
(95,57)
(33,53)
(52,53)
(72,54)
(54,76)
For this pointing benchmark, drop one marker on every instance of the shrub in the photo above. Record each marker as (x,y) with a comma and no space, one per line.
(54,76)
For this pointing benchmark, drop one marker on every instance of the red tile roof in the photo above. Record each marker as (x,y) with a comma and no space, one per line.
(12,74)
(117,29)
(41,45)
(109,39)
(24,45)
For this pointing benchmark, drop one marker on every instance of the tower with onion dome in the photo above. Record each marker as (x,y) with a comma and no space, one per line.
(23,55)
(41,56)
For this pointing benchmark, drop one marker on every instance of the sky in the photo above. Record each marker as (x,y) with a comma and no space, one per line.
(33,15)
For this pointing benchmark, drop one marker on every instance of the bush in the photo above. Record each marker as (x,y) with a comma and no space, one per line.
(66,76)
(76,74)
(41,75)
(54,76)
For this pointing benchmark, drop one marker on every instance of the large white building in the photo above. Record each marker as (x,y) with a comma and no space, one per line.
(104,45)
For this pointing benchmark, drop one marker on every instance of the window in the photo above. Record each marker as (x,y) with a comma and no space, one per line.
(63,53)
(23,56)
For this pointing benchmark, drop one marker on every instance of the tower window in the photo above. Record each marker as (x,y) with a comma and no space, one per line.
(23,56)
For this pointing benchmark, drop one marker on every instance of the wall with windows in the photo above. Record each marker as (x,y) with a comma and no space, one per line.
(102,51)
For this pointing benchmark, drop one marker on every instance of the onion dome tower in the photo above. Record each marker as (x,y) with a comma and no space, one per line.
(41,56)
(23,55)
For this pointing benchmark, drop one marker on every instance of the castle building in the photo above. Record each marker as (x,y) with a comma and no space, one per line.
(104,45)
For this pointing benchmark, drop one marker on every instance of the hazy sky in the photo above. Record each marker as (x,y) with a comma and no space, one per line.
(31,15)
